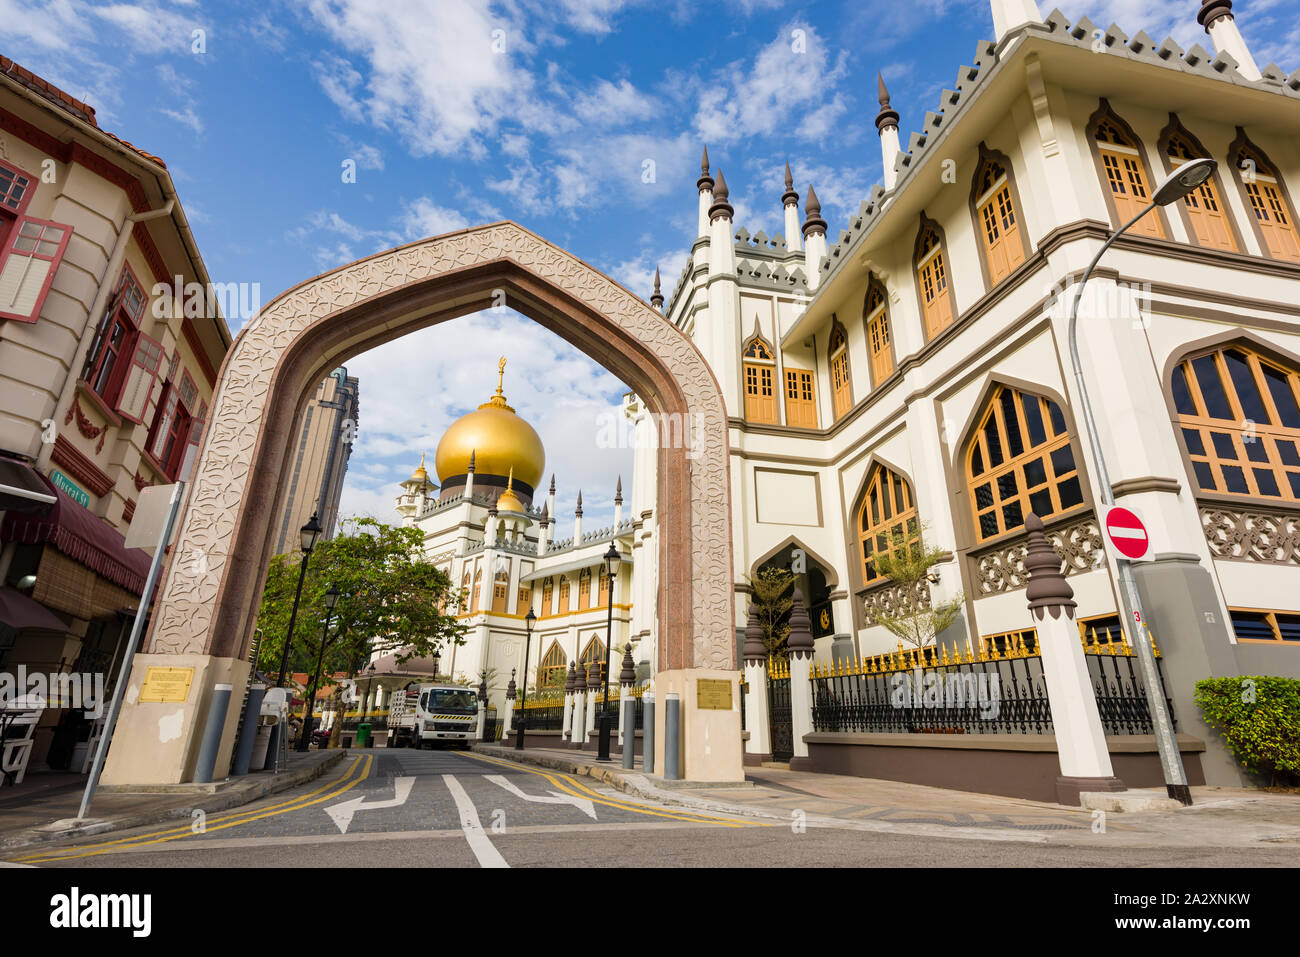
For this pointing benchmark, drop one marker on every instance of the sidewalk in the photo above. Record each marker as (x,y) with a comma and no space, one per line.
(1220,817)
(28,813)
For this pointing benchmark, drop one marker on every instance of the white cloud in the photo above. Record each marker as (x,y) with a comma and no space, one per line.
(424,218)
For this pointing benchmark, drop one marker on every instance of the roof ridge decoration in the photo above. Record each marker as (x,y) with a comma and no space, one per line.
(1057,28)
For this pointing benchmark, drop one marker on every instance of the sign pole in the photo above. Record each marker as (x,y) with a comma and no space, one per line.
(125,674)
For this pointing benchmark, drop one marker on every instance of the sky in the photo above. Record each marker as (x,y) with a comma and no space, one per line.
(582,120)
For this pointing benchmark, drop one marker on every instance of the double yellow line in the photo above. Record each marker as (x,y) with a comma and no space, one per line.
(325,792)
(576,788)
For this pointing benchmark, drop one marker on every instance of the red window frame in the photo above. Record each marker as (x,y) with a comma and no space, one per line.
(34,240)
(122,316)
(173,428)
(13,208)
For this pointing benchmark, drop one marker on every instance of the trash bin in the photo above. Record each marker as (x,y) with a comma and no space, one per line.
(363,735)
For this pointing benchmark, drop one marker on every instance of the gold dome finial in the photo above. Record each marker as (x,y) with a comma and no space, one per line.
(419,476)
(508,501)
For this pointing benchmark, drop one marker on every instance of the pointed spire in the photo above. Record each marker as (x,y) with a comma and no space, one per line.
(571,680)
(546,518)
(705,181)
(1048,590)
(578,510)
(813,222)
(552,483)
(657,297)
(472,453)
(618,492)
(887,116)
(510,480)
(720,205)
(789,197)
(800,640)
(627,677)
(754,649)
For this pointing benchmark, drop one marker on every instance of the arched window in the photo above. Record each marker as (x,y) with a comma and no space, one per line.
(1019,461)
(467,599)
(584,589)
(837,351)
(1273,215)
(604,590)
(1127,180)
(800,399)
(1240,420)
(554,666)
(1203,209)
(547,590)
(997,219)
(500,584)
(524,600)
(887,519)
(760,380)
(593,657)
(473,595)
(564,595)
(932,276)
(876,315)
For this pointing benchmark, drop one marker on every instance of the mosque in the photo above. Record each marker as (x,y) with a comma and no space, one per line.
(914,372)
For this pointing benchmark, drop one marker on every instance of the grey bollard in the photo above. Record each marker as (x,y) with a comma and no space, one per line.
(648,735)
(629,735)
(248,733)
(212,733)
(672,737)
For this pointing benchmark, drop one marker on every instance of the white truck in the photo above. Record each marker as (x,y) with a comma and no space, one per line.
(427,715)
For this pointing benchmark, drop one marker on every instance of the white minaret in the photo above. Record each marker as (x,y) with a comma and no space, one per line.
(550,499)
(790,200)
(543,531)
(1009,14)
(1216,16)
(469,478)
(814,238)
(705,186)
(577,521)
(720,342)
(887,125)
(618,503)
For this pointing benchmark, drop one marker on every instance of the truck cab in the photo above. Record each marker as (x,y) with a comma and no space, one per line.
(432,714)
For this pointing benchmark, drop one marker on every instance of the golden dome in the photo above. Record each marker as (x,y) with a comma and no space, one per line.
(499,440)
(508,501)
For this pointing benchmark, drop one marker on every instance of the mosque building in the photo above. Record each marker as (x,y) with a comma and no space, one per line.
(915,372)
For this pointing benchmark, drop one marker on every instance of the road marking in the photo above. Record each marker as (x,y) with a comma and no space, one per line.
(597,798)
(341,814)
(161,837)
(582,804)
(488,856)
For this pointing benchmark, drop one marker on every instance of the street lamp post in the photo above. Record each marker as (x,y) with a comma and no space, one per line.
(1174,187)
(611,563)
(436,659)
(309,534)
(304,737)
(529,620)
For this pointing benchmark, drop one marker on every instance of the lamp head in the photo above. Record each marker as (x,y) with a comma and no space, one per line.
(611,560)
(331,599)
(531,619)
(310,533)
(1183,180)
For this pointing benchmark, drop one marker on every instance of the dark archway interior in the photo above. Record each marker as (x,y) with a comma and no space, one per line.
(811,582)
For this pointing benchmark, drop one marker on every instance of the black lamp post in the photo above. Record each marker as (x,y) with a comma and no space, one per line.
(309,534)
(606,719)
(304,738)
(436,663)
(529,620)
(370,680)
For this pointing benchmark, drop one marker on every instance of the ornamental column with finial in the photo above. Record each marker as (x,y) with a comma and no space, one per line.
(800,645)
(756,701)
(627,719)
(657,297)
(705,185)
(790,203)
(577,521)
(887,126)
(594,676)
(543,531)
(1216,16)
(1080,740)
(509,706)
(469,478)
(814,238)
(618,503)
(718,333)
(482,706)
(578,722)
(550,498)
(570,681)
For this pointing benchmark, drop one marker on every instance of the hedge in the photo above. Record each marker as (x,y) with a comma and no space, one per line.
(1259,718)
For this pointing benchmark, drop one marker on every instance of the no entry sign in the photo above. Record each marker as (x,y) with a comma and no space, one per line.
(1126,534)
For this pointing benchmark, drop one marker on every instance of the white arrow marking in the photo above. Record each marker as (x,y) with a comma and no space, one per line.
(484,852)
(342,814)
(582,804)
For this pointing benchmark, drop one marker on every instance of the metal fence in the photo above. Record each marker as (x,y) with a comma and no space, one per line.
(779,714)
(1000,689)
(493,727)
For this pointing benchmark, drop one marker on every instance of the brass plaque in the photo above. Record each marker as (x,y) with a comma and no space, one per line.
(713,694)
(166,685)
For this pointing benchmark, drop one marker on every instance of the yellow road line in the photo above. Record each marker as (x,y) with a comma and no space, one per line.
(598,798)
(161,837)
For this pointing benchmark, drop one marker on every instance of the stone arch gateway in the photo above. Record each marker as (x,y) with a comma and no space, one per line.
(206,609)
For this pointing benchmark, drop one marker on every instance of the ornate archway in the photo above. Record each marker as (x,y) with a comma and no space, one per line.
(210,596)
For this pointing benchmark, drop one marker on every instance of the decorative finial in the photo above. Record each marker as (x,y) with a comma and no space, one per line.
(472,453)
(578,510)
(510,479)
(754,649)
(1048,590)
(618,491)
(657,297)
(720,205)
(501,373)
(705,181)
(627,676)
(552,483)
(800,640)
(813,222)
(789,197)
(1212,11)
(888,116)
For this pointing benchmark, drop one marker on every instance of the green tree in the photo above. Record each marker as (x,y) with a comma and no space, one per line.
(391,600)
(773,593)
(907,564)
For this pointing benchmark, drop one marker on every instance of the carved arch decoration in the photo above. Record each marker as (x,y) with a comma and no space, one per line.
(214,584)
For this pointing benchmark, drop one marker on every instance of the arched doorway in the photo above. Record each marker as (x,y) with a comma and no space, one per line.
(208,601)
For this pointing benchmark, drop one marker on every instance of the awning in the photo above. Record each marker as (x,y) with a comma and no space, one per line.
(22,614)
(21,488)
(81,535)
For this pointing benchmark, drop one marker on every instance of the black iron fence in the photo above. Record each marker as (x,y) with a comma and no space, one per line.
(493,727)
(779,713)
(999,690)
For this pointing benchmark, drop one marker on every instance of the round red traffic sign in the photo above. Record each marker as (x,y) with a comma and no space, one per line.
(1127,535)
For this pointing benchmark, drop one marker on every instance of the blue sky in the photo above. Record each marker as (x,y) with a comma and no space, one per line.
(546,112)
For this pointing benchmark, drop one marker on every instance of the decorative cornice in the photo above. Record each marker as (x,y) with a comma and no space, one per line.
(80,467)
(87,428)
(1146,483)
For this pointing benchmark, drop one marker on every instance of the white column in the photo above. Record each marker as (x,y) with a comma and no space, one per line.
(1009,14)
(506,711)
(593,699)
(756,705)
(800,644)
(568,716)
(1227,38)
(578,724)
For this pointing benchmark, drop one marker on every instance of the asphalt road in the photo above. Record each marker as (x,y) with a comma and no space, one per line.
(433,808)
